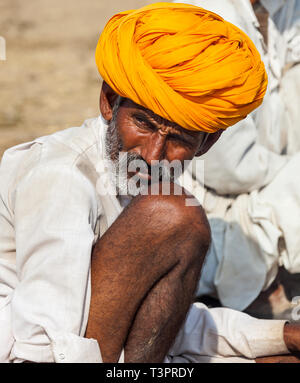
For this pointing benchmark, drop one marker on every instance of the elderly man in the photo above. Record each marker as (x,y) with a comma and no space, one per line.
(175,75)
(251,195)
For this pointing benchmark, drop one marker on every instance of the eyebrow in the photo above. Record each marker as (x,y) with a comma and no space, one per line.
(153,117)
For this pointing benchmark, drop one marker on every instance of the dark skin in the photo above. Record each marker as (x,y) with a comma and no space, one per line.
(157,245)
(151,136)
(141,306)
(143,280)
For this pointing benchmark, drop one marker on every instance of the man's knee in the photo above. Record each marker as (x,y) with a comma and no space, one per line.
(175,217)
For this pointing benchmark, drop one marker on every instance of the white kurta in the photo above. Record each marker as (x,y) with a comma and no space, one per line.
(51,215)
(252,173)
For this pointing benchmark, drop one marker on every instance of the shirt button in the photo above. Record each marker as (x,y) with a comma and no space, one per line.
(61,356)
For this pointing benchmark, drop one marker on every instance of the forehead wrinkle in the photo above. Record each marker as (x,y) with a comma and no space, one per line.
(156,117)
(173,127)
(153,116)
(190,135)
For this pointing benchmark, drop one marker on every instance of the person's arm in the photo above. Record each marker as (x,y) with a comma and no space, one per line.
(227,335)
(55,212)
(291,336)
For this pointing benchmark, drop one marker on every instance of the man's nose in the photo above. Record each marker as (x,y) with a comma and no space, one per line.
(154,149)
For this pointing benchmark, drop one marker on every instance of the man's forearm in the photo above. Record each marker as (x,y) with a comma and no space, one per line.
(279,359)
(291,335)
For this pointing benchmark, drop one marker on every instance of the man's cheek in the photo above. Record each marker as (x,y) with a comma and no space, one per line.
(132,140)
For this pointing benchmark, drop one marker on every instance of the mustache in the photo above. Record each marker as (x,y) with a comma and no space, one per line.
(131,157)
(159,169)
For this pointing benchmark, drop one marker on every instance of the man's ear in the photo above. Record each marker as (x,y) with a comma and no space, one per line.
(208,142)
(107,100)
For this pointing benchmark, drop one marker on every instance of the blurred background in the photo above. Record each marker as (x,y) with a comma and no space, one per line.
(49,80)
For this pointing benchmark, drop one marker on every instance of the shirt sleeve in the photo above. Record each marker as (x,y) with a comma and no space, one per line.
(223,334)
(55,212)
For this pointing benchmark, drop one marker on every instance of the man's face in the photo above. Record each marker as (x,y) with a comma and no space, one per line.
(143,148)
(147,136)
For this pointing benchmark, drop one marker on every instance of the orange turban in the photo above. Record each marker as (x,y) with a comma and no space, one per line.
(186,64)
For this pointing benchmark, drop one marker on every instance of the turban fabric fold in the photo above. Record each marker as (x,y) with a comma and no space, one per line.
(184,63)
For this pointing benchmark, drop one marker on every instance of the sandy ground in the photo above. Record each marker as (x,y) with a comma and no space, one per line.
(49,80)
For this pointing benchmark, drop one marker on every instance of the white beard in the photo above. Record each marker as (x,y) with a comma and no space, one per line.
(118,162)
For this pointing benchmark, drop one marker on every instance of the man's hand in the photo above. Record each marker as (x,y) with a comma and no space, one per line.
(279,359)
(291,335)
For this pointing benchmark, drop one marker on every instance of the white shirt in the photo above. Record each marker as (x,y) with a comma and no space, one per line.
(50,217)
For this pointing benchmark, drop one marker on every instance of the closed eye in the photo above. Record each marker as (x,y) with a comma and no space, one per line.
(143,122)
(180,140)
